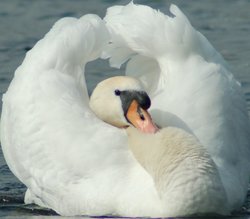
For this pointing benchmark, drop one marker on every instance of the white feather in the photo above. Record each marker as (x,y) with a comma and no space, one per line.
(70,161)
(189,83)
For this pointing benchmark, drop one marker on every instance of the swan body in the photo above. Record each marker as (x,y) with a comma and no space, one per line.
(75,163)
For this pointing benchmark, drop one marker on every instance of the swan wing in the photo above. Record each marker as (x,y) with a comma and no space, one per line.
(189,83)
(70,161)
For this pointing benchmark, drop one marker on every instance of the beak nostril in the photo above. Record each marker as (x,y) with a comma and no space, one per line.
(140,114)
(142,117)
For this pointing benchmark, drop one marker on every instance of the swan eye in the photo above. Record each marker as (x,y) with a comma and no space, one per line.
(117,92)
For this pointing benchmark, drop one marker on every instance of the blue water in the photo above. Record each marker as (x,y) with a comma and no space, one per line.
(226,23)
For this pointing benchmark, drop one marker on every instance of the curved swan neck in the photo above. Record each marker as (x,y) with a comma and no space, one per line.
(166,149)
(180,168)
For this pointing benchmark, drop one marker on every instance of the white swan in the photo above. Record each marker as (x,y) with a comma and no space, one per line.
(76,164)
(184,175)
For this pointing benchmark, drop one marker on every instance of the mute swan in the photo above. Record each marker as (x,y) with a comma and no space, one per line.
(181,168)
(76,164)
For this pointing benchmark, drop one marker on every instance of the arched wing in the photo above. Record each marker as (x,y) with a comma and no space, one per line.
(69,160)
(189,83)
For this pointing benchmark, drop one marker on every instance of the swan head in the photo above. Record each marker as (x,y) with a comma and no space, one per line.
(122,102)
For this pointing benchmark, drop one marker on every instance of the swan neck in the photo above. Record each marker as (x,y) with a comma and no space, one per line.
(179,166)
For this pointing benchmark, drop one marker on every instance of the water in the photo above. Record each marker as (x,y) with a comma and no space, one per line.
(22,22)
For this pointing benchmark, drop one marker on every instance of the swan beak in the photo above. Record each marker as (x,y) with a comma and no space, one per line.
(140,118)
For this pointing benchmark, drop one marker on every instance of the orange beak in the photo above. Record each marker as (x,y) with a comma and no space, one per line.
(140,118)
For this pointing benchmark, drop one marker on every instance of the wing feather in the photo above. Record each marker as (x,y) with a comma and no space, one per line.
(189,83)
(69,160)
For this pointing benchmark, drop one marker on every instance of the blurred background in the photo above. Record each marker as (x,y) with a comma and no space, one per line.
(226,24)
